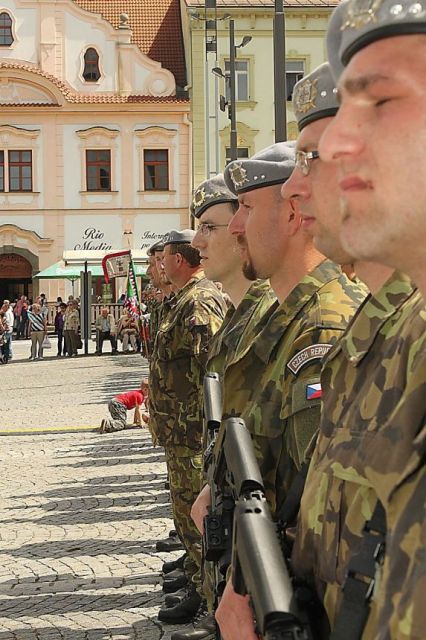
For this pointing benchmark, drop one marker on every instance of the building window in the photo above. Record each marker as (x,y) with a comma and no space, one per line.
(98,169)
(156,169)
(242,152)
(294,71)
(20,171)
(6,37)
(1,170)
(91,71)
(241,80)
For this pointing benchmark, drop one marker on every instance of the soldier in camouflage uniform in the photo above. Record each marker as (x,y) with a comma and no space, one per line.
(223,263)
(364,377)
(154,272)
(176,377)
(280,395)
(214,205)
(383,89)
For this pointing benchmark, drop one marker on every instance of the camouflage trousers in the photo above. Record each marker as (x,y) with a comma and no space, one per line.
(118,413)
(185,476)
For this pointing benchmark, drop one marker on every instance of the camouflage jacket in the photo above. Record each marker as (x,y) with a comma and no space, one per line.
(398,609)
(154,316)
(273,381)
(363,380)
(161,310)
(179,362)
(252,307)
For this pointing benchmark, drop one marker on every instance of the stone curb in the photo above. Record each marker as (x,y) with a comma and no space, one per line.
(46,430)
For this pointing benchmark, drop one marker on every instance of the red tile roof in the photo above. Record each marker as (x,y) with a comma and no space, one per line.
(156,27)
(83,98)
(230,4)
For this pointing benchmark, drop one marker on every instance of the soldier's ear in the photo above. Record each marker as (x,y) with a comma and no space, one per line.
(294,218)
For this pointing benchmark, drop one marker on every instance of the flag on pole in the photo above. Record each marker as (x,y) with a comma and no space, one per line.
(116,265)
(131,301)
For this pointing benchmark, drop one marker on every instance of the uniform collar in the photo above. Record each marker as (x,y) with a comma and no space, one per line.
(302,293)
(244,311)
(372,315)
(186,287)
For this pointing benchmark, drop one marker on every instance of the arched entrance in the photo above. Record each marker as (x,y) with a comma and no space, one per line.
(19,260)
(15,276)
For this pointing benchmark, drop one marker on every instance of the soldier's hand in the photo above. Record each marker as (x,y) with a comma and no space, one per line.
(234,616)
(199,508)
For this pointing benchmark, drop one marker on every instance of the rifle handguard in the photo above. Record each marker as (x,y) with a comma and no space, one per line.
(257,556)
(212,389)
(241,461)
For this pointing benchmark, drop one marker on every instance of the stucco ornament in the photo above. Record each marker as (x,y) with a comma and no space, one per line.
(160,82)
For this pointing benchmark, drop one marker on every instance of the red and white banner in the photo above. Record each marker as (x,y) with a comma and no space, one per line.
(116,265)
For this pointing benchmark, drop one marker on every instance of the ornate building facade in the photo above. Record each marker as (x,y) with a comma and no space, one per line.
(95,136)
(206,34)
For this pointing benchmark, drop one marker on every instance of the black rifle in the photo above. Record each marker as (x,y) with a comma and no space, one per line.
(258,565)
(239,527)
(217,537)
(212,408)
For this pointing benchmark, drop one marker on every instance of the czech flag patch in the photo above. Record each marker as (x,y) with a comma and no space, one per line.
(313,391)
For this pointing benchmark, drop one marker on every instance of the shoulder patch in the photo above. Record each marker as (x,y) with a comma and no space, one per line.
(313,391)
(313,352)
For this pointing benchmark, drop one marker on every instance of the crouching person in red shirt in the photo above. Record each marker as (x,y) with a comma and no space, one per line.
(120,404)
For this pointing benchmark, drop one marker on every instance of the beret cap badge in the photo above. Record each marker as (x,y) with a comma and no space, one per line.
(238,175)
(305,96)
(360,13)
(199,198)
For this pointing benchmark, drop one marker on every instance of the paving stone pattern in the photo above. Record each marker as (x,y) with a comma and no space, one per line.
(64,392)
(80,512)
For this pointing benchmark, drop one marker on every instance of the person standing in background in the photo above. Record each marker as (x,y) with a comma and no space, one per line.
(59,328)
(70,330)
(10,321)
(38,331)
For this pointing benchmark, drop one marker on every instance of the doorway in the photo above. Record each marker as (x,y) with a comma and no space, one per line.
(15,277)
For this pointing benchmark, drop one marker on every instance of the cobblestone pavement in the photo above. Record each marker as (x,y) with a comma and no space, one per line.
(80,512)
(64,392)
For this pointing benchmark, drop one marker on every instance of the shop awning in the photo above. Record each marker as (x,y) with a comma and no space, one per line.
(62,271)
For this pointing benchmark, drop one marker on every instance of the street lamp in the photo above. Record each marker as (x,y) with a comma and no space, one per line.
(210,25)
(230,79)
(280,92)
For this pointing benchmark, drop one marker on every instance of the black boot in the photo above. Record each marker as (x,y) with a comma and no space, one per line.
(182,612)
(168,567)
(172,599)
(172,543)
(172,575)
(174,581)
(203,627)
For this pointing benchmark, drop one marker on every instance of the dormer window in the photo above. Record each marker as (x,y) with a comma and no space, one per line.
(91,71)
(6,37)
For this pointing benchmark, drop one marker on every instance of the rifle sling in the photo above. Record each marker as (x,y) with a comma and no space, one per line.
(358,587)
(288,513)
